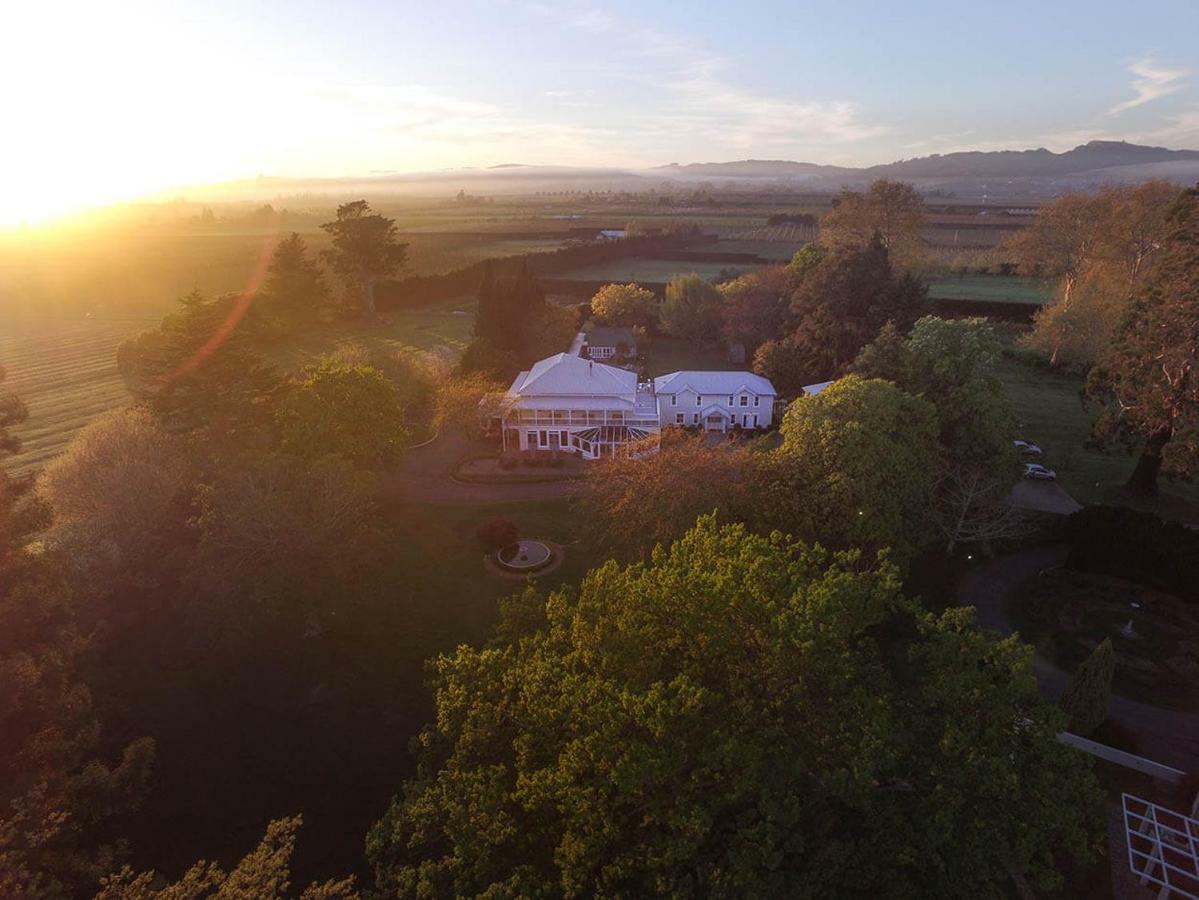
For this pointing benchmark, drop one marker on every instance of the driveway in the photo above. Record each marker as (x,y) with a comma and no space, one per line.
(426,476)
(1042,497)
(1163,735)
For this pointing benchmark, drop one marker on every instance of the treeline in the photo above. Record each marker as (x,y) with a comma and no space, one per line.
(420,289)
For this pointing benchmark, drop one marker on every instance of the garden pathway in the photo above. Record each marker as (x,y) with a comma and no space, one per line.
(1164,735)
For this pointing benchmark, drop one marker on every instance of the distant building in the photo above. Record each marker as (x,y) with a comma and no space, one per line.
(813,389)
(606,341)
(610,234)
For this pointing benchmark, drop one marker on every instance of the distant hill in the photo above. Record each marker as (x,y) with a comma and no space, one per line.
(751,168)
(1040,162)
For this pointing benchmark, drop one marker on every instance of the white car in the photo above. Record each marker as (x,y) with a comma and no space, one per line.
(1039,472)
(1026,448)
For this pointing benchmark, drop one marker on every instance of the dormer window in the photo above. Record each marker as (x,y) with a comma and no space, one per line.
(674,399)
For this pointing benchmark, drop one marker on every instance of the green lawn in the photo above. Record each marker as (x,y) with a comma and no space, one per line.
(1050,412)
(991,288)
(649,271)
(664,355)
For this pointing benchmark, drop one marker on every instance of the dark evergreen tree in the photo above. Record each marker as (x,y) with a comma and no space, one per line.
(1089,693)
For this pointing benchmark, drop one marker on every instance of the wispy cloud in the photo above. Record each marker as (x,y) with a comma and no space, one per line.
(1151,81)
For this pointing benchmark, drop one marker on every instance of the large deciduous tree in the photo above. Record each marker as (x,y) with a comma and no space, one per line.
(692,309)
(840,305)
(743,716)
(1148,377)
(890,211)
(755,307)
(950,364)
(1100,248)
(857,468)
(366,249)
(350,411)
(631,504)
(625,304)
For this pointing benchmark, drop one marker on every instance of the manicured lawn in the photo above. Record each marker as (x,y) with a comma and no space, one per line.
(992,288)
(664,355)
(1050,412)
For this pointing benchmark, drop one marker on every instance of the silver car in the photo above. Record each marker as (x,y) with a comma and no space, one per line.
(1038,472)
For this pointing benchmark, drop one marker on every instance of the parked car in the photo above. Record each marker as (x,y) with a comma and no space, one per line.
(1039,472)
(1026,448)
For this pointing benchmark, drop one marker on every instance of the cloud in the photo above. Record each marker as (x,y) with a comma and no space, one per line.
(1152,82)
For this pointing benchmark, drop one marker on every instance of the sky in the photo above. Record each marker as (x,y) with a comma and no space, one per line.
(114,100)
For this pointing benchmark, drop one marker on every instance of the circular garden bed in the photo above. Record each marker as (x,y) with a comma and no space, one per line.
(1155,635)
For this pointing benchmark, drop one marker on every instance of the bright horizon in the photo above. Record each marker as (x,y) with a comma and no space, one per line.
(113,105)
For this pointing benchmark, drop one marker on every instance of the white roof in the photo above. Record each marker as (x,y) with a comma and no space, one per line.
(563,375)
(814,389)
(713,383)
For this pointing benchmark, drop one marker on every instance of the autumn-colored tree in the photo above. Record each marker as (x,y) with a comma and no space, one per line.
(1088,694)
(1148,378)
(741,716)
(365,250)
(352,412)
(117,494)
(890,211)
(631,504)
(1100,248)
(788,367)
(625,304)
(263,874)
(755,307)
(692,309)
(457,404)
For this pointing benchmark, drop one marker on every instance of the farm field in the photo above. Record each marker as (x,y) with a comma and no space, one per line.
(1050,413)
(649,271)
(991,288)
(65,369)
(66,372)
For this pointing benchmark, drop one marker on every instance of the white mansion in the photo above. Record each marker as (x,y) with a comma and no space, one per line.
(565,402)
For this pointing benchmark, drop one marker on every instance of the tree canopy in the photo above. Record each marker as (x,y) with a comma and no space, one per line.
(891,212)
(294,294)
(351,411)
(366,249)
(625,304)
(1148,377)
(742,716)
(692,310)
(857,468)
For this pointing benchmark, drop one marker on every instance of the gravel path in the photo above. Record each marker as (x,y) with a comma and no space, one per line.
(1163,735)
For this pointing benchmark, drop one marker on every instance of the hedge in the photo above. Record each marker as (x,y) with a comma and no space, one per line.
(1138,546)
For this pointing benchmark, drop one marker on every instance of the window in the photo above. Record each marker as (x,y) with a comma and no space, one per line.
(698,400)
(744,400)
(678,418)
(695,418)
(565,436)
(730,399)
(756,400)
(674,400)
(544,438)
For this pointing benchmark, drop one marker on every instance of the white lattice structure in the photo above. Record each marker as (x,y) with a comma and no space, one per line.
(1163,847)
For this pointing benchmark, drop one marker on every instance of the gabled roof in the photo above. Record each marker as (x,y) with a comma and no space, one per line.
(610,336)
(713,383)
(713,409)
(813,389)
(566,375)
